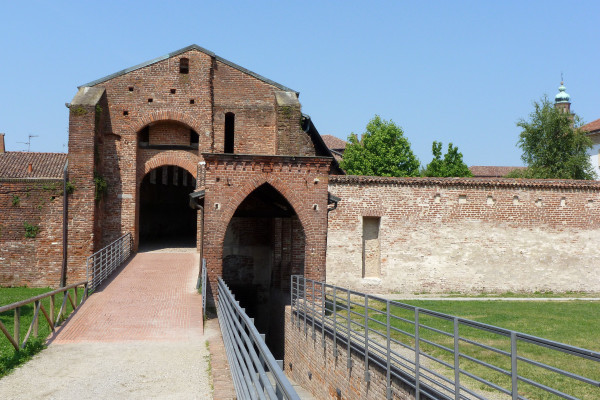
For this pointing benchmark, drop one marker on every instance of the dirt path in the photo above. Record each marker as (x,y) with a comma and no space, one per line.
(139,337)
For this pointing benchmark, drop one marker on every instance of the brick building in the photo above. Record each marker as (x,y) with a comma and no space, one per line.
(191,149)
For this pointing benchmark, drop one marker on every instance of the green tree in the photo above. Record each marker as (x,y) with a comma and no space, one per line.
(382,151)
(451,165)
(554,147)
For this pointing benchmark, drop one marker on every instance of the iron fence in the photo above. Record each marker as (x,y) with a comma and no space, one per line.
(102,263)
(255,373)
(442,356)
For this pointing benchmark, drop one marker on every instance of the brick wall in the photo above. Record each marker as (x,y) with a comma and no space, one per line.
(467,235)
(35,261)
(306,355)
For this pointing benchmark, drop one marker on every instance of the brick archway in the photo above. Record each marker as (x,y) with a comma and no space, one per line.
(185,160)
(166,115)
(246,190)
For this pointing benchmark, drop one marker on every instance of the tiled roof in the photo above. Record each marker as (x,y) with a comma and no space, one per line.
(15,164)
(489,171)
(592,126)
(334,143)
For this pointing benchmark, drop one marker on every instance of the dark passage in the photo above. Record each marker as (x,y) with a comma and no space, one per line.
(264,246)
(166,219)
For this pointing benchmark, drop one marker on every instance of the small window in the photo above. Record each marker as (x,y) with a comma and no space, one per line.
(229,132)
(131,88)
(125,113)
(184,66)
(192,101)
(145,137)
(173,91)
(150,100)
(194,138)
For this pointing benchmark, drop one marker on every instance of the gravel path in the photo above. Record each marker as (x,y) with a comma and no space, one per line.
(139,337)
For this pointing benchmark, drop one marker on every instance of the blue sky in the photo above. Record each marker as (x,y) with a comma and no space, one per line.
(460,72)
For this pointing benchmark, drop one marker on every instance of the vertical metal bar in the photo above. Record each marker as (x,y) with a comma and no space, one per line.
(456,361)
(17,323)
(292,298)
(313,308)
(323,310)
(298,302)
(349,355)
(305,307)
(367,375)
(335,352)
(388,377)
(417,356)
(513,365)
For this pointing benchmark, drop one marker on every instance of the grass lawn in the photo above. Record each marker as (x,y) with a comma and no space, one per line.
(575,323)
(9,358)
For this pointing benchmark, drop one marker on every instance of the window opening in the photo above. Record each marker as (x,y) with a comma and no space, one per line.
(229,132)
(184,65)
(145,136)
(194,138)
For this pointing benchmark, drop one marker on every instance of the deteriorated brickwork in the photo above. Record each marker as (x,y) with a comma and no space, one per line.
(31,261)
(319,371)
(467,235)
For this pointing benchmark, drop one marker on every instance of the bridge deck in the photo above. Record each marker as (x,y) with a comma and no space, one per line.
(138,336)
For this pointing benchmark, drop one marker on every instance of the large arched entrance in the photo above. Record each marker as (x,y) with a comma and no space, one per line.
(264,245)
(166,218)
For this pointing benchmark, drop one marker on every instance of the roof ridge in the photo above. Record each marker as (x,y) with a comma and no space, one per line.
(183,50)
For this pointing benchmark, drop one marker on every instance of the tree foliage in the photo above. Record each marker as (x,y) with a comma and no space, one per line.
(451,165)
(382,151)
(554,147)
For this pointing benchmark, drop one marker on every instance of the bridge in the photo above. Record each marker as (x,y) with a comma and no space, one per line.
(141,334)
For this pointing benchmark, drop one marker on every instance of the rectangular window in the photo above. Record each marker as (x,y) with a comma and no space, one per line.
(371,267)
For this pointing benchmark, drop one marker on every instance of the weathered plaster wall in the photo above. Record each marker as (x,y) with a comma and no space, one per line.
(467,235)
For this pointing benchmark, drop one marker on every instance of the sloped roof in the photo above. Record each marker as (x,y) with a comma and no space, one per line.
(14,164)
(592,127)
(490,171)
(334,143)
(181,51)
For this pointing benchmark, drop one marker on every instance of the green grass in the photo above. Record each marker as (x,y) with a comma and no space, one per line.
(9,358)
(575,323)
(509,295)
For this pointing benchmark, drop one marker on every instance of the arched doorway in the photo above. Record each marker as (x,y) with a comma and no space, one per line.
(166,218)
(264,245)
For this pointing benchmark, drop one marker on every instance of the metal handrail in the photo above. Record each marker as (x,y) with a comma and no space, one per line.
(251,363)
(15,339)
(349,317)
(101,264)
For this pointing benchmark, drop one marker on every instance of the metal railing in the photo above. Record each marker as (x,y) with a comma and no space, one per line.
(440,355)
(49,316)
(102,263)
(255,373)
(203,283)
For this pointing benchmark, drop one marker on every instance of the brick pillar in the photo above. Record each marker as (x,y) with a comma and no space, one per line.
(82,128)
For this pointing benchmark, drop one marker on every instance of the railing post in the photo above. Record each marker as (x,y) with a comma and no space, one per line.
(335,351)
(417,356)
(17,323)
(367,374)
(36,306)
(305,306)
(349,356)
(456,361)
(323,310)
(388,376)
(513,365)
(313,311)
(52,305)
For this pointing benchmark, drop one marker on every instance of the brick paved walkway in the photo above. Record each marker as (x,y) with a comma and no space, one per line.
(153,297)
(139,336)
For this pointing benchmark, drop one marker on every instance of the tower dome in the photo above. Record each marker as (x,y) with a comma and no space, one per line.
(562,96)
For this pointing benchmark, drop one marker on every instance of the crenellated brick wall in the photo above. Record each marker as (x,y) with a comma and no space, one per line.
(467,235)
